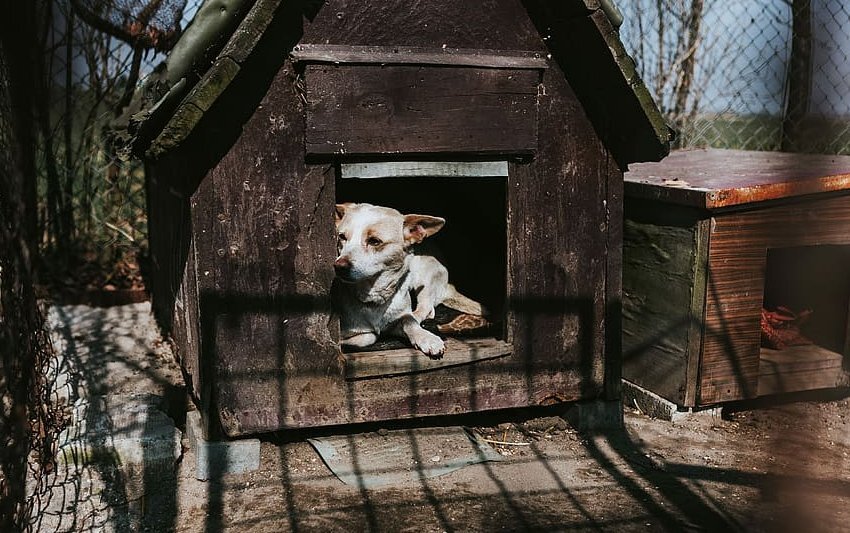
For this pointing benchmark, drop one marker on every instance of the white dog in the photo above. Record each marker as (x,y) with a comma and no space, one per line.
(379,275)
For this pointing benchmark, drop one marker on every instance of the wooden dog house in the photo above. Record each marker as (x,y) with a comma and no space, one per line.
(512,119)
(712,238)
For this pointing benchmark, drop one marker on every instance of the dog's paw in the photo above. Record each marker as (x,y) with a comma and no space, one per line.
(429,344)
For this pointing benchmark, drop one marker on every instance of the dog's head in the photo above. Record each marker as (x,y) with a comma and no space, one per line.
(373,239)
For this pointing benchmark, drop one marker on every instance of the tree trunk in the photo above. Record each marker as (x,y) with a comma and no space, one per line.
(686,74)
(799,76)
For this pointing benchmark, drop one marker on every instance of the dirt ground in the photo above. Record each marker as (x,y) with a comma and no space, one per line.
(778,465)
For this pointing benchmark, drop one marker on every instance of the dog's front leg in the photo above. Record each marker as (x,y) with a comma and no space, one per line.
(422,339)
(425,304)
(360,340)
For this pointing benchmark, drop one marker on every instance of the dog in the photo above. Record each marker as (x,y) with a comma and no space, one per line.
(379,276)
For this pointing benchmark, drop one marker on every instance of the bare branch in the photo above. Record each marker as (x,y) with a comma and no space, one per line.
(137,32)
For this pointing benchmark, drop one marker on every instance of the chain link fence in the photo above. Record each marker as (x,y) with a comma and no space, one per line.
(748,74)
(97,52)
(85,60)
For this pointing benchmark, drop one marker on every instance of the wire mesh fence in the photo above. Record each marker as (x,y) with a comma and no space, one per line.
(754,74)
(96,54)
(85,59)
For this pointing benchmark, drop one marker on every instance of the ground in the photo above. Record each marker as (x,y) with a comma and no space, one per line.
(777,465)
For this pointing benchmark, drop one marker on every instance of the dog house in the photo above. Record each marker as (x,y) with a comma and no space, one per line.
(724,250)
(513,120)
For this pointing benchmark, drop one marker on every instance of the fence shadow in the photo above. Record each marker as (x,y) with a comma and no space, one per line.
(605,479)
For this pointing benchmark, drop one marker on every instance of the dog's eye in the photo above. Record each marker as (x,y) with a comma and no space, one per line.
(342,237)
(374,241)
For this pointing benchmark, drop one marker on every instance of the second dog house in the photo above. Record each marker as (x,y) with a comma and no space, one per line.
(514,122)
(724,249)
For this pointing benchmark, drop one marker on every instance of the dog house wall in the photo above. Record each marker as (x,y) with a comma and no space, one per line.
(242,236)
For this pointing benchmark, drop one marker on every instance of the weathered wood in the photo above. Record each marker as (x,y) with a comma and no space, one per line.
(558,249)
(394,110)
(713,179)
(499,25)
(407,360)
(663,298)
(264,238)
(799,368)
(430,169)
(737,257)
(614,283)
(406,55)
(265,241)
(187,325)
(172,282)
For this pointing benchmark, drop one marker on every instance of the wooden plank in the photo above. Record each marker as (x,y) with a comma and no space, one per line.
(401,109)
(737,258)
(173,286)
(696,334)
(714,179)
(614,283)
(664,259)
(558,244)
(846,363)
(407,55)
(429,169)
(359,365)
(799,368)
(265,245)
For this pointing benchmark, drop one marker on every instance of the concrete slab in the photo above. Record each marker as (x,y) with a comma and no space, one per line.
(595,416)
(653,405)
(216,458)
(129,429)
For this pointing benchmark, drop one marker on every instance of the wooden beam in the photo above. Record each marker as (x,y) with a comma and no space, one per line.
(799,368)
(380,363)
(401,55)
(425,169)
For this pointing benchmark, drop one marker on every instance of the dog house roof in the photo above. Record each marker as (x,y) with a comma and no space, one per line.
(580,35)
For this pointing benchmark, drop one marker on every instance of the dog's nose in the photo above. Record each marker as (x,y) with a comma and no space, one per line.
(342,264)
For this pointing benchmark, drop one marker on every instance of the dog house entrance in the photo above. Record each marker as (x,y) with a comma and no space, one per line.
(804,320)
(471,196)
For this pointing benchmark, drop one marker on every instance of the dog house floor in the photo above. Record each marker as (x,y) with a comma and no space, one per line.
(811,281)
(380,363)
(799,368)
(391,356)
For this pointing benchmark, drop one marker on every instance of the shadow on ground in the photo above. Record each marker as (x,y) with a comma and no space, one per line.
(766,466)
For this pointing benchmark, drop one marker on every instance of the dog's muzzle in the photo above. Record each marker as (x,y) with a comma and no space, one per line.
(342,267)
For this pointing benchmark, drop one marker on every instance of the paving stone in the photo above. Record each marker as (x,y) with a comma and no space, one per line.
(216,458)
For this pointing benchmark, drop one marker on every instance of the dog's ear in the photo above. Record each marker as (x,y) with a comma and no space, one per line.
(339,211)
(418,227)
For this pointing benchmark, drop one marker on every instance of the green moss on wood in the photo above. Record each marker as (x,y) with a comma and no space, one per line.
(183,121)
(628,68)
(210,23)
(250,30)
